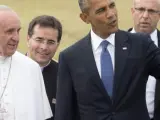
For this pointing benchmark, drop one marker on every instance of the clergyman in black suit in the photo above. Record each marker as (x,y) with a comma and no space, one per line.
(146,14)
(87,88)
(44,35)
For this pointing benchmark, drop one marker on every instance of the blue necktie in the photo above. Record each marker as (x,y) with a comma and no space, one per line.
(106,68)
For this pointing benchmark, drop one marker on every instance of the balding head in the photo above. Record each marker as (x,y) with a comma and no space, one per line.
(146,15)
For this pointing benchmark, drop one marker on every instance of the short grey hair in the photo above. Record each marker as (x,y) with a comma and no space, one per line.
(4,7)
(84,5)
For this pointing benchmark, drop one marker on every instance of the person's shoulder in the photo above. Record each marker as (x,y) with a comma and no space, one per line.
(140,38)
(135,36)
(22,59)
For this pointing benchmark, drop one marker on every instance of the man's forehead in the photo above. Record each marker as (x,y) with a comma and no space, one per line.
(9,19)
(149,4)
(4,14)
(147,1)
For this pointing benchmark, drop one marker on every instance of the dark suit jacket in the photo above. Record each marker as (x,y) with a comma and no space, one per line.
(81,94)
(157,90)
(50,81)
(157,93)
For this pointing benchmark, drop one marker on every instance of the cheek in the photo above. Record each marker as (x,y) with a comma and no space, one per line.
(53,50)
(3,40)
(155,21)
(34,52)
(136,18)
(33,47)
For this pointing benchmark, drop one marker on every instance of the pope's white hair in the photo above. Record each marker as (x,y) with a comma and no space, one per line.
(4,7)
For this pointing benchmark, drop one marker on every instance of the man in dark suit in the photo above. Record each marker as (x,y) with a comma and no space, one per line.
(44,35)
(146,14)
(88,89)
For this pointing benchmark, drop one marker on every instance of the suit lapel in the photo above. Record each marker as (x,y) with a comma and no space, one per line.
(158,35)
(121,52)
(91,67)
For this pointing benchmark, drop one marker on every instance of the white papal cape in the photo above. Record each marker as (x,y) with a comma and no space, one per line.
(29,95)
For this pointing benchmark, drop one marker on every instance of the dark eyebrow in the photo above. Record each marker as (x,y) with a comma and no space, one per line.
(100,9)
(142,8)
(153,10)
(10,30)
(41,38)
(51,40)
(19,29)
(112,4)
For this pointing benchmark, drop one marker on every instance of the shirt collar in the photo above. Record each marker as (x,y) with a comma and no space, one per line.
(45,65)
(133,31)
(154,35)
(96,40)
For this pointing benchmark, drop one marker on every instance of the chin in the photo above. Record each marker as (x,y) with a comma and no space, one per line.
(114,30)
(43,60)
(10,53)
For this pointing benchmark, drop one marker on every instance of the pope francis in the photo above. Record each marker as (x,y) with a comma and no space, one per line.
(22,91)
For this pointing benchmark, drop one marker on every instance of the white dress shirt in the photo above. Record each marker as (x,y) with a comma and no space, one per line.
(97,48)
(151,83)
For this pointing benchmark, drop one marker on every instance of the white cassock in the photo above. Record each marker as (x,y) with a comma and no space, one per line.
(26,90)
